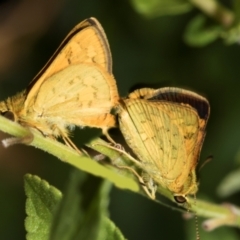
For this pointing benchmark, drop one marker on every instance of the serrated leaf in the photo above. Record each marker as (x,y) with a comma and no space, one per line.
(81,211)
(111,231)
(154,8)
(230,184)
(40,204)
(198,34)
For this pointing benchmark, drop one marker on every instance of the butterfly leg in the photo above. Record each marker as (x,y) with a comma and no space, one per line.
(106,134)
(149,183)
(70,144)
(121,150)
(147,188)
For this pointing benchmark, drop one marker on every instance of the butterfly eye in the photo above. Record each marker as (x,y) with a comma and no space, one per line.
(9,115)
(180,199)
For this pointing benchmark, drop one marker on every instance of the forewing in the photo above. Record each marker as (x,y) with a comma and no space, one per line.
(86,43)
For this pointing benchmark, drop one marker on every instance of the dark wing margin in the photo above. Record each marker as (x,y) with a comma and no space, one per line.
(181,96)
(90,22)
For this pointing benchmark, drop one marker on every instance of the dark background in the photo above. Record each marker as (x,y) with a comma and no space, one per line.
(145,51)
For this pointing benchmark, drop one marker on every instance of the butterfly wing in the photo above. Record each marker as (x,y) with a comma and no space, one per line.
(86,43)
(165,135)
(76,86)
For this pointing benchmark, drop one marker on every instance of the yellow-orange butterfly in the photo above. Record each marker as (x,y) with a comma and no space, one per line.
(75,87)
(165,128)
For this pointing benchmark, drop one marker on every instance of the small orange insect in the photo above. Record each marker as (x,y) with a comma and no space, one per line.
(165,128)
(76,87)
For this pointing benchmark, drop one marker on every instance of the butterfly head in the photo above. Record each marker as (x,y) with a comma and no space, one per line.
(11,107)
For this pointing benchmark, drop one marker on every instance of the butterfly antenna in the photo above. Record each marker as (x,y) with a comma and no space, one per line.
(196,220)
(207,160)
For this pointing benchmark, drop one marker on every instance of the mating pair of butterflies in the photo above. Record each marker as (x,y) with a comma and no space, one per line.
(165,127)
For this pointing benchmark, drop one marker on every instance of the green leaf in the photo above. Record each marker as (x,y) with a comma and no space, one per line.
(154,8)
(232,35)
(230,184)
(82,210)
(198,34)
(236,10)
(80,215)
(111,231)
(41,202)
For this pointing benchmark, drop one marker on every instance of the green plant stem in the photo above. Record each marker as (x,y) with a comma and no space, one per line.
(215,10)
(223,214)
(68,155)
(199,207)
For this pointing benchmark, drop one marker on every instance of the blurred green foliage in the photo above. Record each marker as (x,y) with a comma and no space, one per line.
(80,214)
(154,8)
(146,51)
